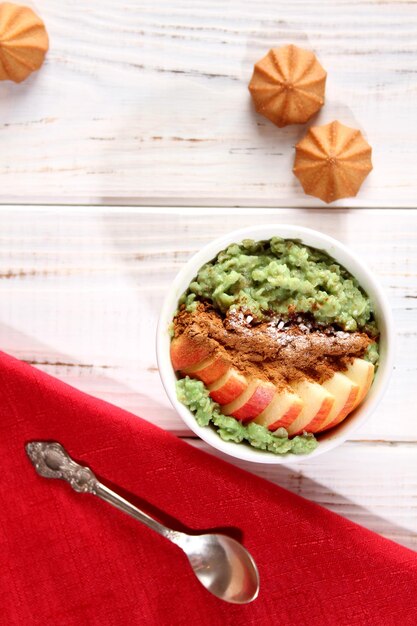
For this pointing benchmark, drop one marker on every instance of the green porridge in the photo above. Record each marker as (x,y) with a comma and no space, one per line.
(279,274)
(274,279)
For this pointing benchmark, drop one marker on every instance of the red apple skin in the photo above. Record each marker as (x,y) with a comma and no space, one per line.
(229,387)
(284,408)
(315,423)
(209,370)
(348,408)
(321,415)
(287,419)
(361,383)
(185,352)
(363,379)
(258,401)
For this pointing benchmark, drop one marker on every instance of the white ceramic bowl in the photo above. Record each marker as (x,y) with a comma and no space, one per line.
(345,257)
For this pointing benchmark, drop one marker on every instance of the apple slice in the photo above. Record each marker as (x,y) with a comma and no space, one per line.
(228,387)
(252,401)
(345,392)
(283,409)
(317,404)
(185,352)
(209,370)
(361,373)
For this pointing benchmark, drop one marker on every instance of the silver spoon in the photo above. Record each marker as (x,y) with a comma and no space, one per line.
(222,565)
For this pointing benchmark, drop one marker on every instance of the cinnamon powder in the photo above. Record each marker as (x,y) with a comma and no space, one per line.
(276,350)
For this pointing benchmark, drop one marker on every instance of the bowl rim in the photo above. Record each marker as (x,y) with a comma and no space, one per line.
(343,256)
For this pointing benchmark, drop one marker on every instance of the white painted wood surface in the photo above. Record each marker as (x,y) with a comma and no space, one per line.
(147,102)
(80,292)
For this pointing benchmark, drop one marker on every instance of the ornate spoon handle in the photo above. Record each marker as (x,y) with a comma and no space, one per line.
(51,460)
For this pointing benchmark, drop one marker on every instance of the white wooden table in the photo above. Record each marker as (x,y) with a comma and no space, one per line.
(146,107)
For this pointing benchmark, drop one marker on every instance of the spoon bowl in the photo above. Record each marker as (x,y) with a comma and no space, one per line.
(223,566)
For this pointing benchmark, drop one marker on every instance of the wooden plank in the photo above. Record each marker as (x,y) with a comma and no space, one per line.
(371,484)
(147,103)
(80,294)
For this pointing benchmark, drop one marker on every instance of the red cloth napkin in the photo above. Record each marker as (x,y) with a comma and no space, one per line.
(69,559)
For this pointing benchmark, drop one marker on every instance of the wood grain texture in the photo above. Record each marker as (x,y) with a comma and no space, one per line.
(147,103)
(80,294)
